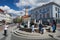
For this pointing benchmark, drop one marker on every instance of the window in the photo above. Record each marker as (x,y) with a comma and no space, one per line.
(36,11)
(48,16)
(56,15)
(58,12)
(40,16)
(40,10)
(56,8)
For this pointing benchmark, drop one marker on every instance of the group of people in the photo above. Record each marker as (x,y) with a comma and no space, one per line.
(41,26)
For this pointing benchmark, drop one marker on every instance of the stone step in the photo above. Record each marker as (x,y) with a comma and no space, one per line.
(26,34)
(30,35)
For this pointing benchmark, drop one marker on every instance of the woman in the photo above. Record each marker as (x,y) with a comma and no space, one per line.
(54,26)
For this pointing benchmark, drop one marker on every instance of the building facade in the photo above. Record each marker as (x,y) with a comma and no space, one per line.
(5,16)
(47,11)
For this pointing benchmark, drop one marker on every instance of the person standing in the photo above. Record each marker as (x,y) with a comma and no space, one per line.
(54,26)
(40,27)
(32,26)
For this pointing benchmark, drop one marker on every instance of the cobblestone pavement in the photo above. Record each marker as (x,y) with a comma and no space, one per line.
(18,38)
(1,28)
(8,37)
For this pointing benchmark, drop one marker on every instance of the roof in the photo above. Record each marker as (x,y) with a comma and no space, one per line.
(1,10)
(51,3)
(26,16)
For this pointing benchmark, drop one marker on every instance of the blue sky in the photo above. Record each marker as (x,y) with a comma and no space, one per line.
(16,6)
(9,3)
(11,7)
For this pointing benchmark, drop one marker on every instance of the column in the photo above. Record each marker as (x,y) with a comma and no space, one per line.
(35,21)
(28,23)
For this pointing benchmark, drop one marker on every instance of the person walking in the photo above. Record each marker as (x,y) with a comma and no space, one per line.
(5,29)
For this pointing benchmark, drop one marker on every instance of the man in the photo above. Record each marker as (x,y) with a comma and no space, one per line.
(40,27)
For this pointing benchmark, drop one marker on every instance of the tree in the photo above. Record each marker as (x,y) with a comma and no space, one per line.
(17,20)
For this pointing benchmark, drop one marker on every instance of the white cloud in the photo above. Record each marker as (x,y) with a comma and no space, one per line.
(9,10)
(57,1)
(35,3)
(25,2)
(31,2)
(5,7)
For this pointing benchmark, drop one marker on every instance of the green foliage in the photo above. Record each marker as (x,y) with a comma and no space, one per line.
(17,20)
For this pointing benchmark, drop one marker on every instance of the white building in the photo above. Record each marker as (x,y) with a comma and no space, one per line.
(5,16)
(47,11)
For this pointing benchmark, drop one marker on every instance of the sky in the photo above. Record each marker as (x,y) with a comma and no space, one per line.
(16,6)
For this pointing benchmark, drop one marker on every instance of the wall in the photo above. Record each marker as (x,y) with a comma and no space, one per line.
(54,11)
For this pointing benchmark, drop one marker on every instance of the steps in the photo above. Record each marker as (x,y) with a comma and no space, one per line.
(28,35)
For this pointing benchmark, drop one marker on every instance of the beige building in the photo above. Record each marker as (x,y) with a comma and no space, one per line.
(5,16)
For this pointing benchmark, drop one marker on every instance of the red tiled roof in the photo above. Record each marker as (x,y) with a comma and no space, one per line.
(26,16)
(1,10)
